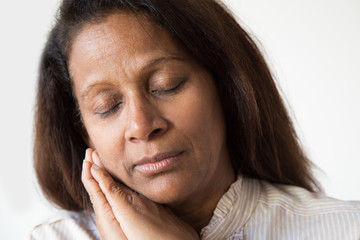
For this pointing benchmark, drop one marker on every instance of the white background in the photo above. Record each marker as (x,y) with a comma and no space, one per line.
(313,47)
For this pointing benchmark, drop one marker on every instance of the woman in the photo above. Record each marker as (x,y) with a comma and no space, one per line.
(186,134)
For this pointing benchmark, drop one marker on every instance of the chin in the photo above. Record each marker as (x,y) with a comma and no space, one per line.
(168,189)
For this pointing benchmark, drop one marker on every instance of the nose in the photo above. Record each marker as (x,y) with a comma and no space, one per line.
(144,121)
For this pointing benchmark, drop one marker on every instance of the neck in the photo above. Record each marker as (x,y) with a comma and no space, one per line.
(198,211)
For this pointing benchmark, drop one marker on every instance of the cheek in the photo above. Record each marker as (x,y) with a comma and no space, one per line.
(107,139)
(200,118)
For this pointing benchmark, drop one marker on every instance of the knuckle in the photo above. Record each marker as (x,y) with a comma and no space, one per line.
(115,188)
(119,191)
(130,198)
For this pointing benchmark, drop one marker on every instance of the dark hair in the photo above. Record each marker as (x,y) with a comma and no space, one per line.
(261,139)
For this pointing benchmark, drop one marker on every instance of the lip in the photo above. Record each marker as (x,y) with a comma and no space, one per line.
(158,163)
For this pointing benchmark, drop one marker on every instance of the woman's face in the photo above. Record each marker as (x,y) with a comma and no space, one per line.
(150,110)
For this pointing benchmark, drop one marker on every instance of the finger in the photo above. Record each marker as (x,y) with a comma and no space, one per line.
(105,219)
(139,218)
(96,196)
(118,196)
(96,159)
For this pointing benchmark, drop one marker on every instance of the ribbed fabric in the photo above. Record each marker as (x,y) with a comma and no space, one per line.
(69,226)
(250,210)
(258,210)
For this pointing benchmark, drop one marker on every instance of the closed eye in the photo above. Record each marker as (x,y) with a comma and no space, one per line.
(111,111)
(170,90)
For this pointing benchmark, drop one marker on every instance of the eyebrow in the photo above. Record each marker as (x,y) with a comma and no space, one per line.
(144,68)
(88,89)
(159,60)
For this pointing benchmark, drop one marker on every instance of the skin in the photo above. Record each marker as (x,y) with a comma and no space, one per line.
(123,214)
(141,94)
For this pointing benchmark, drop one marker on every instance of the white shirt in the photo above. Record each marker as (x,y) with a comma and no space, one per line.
(249,210)
(254,209)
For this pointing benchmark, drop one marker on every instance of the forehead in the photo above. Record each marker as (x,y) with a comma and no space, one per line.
(122,33)
(121,44)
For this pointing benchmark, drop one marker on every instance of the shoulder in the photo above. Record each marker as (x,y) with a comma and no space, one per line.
(303,213)
(67,225)
(301,201)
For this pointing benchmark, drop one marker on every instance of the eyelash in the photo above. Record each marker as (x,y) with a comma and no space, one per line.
(111,111)
(117,106)
(171,90)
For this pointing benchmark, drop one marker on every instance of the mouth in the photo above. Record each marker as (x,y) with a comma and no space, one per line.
(158,163)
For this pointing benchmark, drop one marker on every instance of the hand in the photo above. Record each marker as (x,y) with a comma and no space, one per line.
(124,214)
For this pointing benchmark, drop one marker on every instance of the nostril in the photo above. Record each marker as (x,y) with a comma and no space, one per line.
(156,131)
